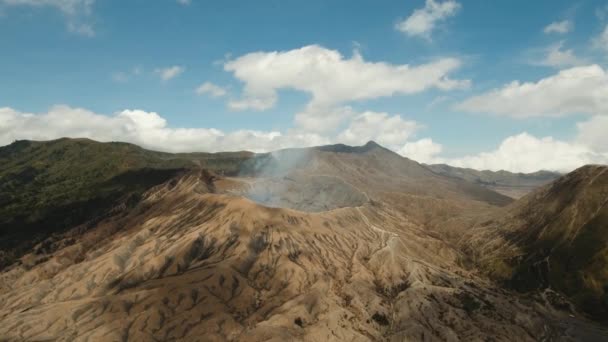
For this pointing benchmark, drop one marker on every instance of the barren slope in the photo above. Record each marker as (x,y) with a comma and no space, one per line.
(555,237)
(362,258)
(190,264)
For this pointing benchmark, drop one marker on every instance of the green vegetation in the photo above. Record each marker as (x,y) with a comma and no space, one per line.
(49,187)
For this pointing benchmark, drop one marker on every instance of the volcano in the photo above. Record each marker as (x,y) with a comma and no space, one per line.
(333,243)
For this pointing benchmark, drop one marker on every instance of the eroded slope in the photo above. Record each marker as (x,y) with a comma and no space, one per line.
(555,237)
(188,263)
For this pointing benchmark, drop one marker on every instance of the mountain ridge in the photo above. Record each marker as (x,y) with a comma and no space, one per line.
(512,184)
(553,237)
(337,243)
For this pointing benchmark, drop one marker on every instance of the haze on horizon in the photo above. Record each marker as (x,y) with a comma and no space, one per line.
(514,85)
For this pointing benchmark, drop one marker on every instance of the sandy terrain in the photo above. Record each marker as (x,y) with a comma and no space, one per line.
(197,260)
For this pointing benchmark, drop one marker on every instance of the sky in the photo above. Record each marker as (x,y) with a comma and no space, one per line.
(501,85)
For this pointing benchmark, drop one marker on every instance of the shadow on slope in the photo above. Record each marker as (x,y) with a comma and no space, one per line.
(555,237)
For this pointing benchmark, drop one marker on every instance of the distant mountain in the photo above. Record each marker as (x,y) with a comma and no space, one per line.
(511,184)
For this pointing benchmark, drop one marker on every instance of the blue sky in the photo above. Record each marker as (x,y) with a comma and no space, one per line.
(130,70)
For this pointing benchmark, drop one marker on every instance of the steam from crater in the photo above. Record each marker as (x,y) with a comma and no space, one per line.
(282,181)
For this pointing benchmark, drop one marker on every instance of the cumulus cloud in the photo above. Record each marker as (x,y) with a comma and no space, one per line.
(151,130)
(422,151)
(557,57)
(519,153)
(389,131)
(526,153)
(168,73)
(75,11)
(581,89)
(423,21)
(332,80)
(559,27)
(211,89)
(594,132)
(147,129)
(322,119)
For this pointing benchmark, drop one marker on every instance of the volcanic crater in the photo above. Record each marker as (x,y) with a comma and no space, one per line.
(303,193)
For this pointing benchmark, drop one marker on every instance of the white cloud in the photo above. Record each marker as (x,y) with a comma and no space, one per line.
(519,153)
(169,72)
(423,21)
(75,11)
(558,58)
(594,132)
(258,104)
(151,130)
(147,129)
(526,153)
(389,131)
(184,2)
(576,90)
(601,41)
(560,27)
(332,81)
(322,119)
(422,151)
(211,89)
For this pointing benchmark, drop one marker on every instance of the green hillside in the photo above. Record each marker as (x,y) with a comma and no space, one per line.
(48,187)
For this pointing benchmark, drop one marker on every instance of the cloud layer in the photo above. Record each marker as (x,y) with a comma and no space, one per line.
(526,153)
(147,129)
(150,130)
(519,153)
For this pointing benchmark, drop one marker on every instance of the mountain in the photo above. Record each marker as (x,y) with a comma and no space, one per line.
(46,187)
(514,185)
(325,243)
(555,237)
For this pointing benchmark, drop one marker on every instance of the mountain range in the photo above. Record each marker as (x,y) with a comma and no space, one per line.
(109,241)
(514,185)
